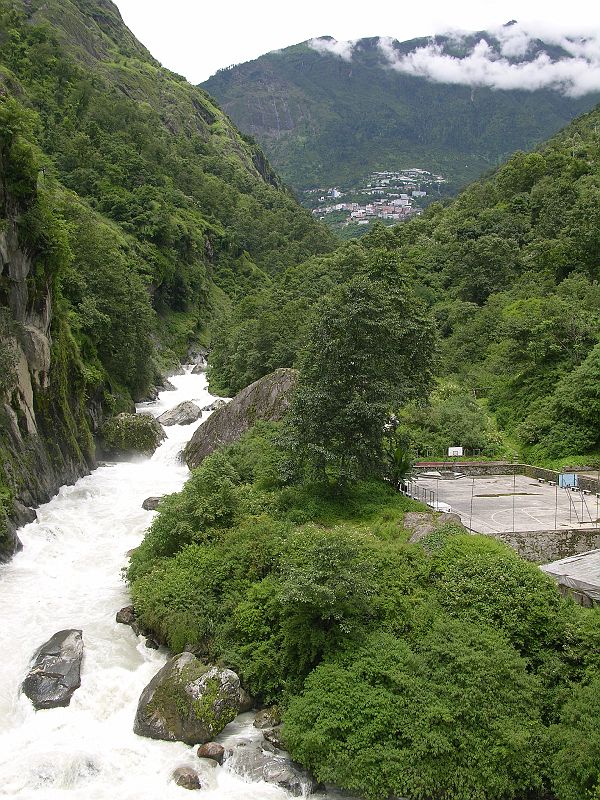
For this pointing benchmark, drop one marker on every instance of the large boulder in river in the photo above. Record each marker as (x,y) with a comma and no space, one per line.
(56,671)
(11,519)
(132,433)
(220,402)
(197,355)
(212,750)
(183,414)
(187,778)
(275,737)
(268,399)
(152,503)
(267,718)
(187,701)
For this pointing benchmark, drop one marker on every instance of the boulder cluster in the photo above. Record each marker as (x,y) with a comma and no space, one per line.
(186,701)
(189,701)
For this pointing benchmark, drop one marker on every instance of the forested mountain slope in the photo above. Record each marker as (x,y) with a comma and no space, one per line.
(131,208)
(325,120)
(510,270)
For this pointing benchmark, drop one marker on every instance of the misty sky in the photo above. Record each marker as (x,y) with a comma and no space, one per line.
(197,37)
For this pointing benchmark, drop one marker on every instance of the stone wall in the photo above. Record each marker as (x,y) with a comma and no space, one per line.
(542,547)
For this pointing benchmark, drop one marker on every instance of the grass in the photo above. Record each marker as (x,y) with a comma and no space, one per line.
(369,507)
(590,461)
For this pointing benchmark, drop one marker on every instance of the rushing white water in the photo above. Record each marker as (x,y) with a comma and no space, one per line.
(69,576)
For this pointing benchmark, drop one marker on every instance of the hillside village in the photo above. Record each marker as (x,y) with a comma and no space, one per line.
(388,196)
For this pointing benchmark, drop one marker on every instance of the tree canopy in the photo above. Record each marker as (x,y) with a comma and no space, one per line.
(369,349)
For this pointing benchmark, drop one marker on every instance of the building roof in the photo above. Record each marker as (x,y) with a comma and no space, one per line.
(580,572)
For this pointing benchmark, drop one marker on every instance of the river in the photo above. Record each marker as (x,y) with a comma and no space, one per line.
(69,576)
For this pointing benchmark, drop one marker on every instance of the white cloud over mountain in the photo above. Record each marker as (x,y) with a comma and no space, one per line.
(575,74)
(332,47)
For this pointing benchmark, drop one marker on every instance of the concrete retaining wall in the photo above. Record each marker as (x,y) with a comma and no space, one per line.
(543,547)
(540,547)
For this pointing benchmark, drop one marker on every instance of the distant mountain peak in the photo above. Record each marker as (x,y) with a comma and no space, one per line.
(329,112)
(513,56)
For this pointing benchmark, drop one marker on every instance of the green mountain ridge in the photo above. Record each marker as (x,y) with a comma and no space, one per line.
(324,121)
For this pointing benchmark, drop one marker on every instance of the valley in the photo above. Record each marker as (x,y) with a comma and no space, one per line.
(326,118)
(223,566)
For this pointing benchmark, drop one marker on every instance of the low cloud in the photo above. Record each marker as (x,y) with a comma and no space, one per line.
(575,74)
(328,46)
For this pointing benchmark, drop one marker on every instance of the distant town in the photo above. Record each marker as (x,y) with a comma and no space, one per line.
(391,197)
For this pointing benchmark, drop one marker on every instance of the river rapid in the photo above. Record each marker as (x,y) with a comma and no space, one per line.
(69,575)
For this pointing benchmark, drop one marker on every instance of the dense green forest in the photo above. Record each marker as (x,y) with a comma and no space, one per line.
(450,668)
(165,206)
(510,273)
(131,211)
(327,121)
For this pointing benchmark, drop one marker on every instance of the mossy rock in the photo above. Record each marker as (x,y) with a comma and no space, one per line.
(267,718)
(132,433)
(9,541)
(187,701)
(266,399)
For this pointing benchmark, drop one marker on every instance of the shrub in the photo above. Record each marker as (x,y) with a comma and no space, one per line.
(139,433)
(208,501)
(481,580)
(455,716)
(576,740)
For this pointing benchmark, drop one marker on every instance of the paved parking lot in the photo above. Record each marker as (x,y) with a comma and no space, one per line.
(496,504)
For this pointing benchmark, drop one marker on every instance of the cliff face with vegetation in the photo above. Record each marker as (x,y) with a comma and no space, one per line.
(45,435)
(131,213)
(325,120)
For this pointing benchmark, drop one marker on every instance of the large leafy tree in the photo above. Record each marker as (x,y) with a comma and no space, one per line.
(369,349)
(568,419)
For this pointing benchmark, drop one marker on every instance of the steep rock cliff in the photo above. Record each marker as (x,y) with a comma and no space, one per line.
(45,437)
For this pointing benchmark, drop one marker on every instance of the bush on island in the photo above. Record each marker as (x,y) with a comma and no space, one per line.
(126,433)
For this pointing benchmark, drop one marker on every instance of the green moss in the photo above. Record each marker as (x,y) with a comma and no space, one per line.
(174,704)
(6,539)
(171,702)
(60,410)
(204,708)
(6,503)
